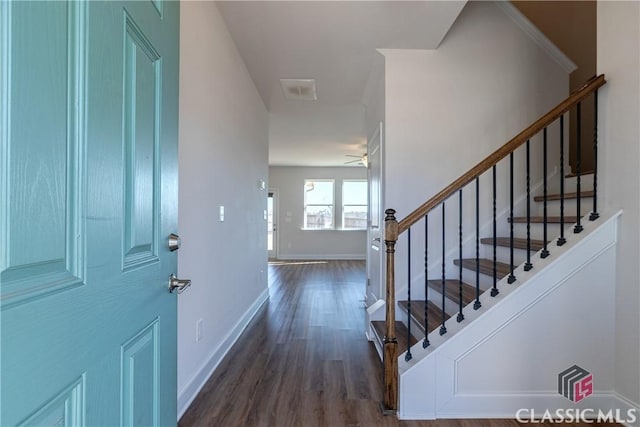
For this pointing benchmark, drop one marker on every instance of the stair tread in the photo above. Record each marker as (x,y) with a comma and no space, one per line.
(486,266)
(573,174)
(417,313)
(540,219)
(452,291)
(518,243)
(572,195)
(401,334)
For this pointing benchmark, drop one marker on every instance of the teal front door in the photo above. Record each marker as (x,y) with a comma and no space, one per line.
(88,194)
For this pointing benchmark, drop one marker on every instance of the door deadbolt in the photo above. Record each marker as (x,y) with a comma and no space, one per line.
(174,242)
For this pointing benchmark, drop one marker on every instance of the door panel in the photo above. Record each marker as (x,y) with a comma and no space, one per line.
(88,192)
(65,408)
(142,95)
(139,382)
(375,246)
(40,174)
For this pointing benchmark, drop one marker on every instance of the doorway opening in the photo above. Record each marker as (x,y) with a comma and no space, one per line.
(272,229)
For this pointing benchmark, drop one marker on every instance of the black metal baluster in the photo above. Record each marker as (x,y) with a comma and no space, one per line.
(476,304)
(528,266)
(408,356)
(561,239)
(494,290)
(443,329)
(545,250)
(425,343)
(594,214)
(511,278)
(578,227)
(460,317)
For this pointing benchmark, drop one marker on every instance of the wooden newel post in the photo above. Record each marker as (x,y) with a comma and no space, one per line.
(390,358)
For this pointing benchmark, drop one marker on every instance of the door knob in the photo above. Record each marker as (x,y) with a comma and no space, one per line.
(174,242)
(180,285)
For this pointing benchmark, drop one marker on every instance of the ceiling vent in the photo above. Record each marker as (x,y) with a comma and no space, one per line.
(299,89)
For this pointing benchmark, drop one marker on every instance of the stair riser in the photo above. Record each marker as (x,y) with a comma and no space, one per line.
(503,254)
(378,330)
(570,184)
(451,306)
(377,341)
(418,317)
(417,330)
(469,276)
(553,207)
(486,267)
(537,230)
(417,289)
(451,272)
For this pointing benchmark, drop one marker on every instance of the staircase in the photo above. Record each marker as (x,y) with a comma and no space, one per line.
(454,289)
(512,232)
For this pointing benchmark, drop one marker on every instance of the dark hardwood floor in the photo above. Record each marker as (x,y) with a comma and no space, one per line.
(304,359)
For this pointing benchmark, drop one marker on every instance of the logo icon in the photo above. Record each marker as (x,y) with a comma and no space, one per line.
(575,383)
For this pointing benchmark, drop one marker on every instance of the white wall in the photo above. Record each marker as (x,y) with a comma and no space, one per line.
(619,137)
(447,109)
(223,154)
(373,97)
(296,243)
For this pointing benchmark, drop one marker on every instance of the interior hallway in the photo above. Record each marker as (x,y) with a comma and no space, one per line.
(304,359)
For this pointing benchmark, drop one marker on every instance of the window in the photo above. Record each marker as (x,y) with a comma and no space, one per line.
(354,204)
(318,204)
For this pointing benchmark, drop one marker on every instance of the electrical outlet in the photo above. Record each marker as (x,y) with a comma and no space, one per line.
(199,330)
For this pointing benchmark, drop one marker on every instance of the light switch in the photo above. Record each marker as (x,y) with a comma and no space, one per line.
(265,215)
(199,329)
(221,213)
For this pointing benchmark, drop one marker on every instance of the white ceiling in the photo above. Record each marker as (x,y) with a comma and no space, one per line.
(333,42)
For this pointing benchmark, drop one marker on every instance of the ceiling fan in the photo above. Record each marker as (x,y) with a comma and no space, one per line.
(359,160)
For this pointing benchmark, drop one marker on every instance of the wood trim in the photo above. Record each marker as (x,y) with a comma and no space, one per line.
(576,96)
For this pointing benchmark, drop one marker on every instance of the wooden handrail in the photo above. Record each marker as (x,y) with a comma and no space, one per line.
(502,152)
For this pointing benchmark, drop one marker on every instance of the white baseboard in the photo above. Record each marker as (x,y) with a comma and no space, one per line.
(315,257)
(627,405)
(609,403)
(189,393)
